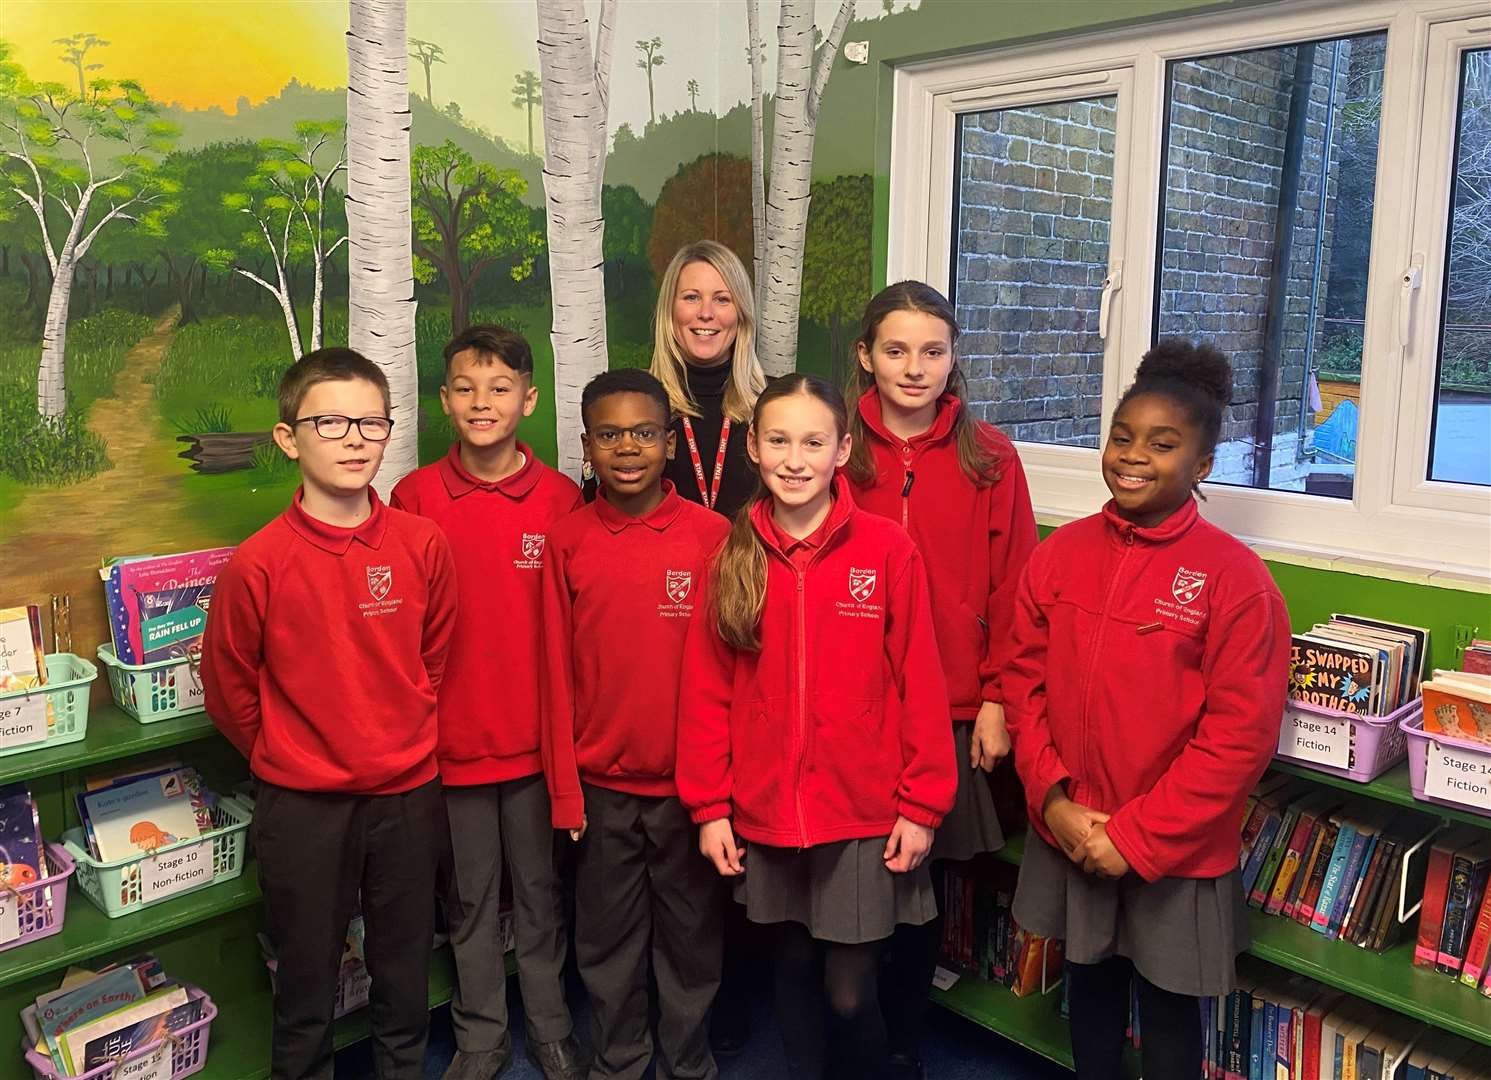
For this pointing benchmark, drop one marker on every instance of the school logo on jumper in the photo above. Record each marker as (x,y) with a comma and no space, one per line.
(678,584)
(380,580)
(533,545)
(861,583)
(1187,584)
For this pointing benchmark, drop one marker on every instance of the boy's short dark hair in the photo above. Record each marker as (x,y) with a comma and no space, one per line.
(327,365)
(488,342)
(623,381)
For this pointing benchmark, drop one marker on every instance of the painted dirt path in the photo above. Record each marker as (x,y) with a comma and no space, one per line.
(134,507)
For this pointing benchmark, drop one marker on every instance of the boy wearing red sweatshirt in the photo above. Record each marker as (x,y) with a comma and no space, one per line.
(495,502)
(322,660)
(619,594)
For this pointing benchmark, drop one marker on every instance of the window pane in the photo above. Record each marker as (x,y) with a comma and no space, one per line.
(1030,251)
(1462,409)
(1270,172)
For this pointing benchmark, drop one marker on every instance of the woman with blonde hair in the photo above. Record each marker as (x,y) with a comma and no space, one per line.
(704,354)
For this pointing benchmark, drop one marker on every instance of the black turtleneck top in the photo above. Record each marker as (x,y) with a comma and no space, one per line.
(738,482)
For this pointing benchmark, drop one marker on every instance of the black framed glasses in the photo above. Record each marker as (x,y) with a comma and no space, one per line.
(332,426)
(609,438)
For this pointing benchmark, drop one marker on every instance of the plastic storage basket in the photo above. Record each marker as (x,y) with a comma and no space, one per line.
(188,1050)
(157,691)
(42,905)
(119,887)
(1420,742)
(1377,742)
(66,692)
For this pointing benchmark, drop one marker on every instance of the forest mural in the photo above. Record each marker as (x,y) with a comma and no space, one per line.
(189,202)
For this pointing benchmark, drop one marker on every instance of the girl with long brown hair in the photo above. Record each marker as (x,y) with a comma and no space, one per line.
(814,726)
(922,458)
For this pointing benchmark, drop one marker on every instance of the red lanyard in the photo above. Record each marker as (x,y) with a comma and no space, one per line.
(709,494)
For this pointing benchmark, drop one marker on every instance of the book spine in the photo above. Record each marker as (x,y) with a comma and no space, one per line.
(1289,867)
(1386,923)
(1306,912)
(1283,1042)
(1311,1069)
(1256,1021)
(1480,943)
(1270,1039)
(1260,851)
(1306,871)
(1363,916)
(1456,907)
(1266,876)
(1237,1008)
(1350,880)
(1320,922)
(1431,915)
(1253,823)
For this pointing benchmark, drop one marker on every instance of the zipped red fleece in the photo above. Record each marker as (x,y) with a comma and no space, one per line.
(497,533)
(619,593)
(1149,673)
(325,648)
(974,539)
(840,723)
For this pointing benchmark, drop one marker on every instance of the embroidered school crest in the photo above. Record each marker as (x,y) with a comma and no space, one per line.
(861,583)
(533,545)
(1187,584)
(380,580)
(679,583)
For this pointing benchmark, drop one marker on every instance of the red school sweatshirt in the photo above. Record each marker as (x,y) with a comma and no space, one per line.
(840,722)
(619,594)
(325,647)
(1149,673)
(974,540)
(489,706)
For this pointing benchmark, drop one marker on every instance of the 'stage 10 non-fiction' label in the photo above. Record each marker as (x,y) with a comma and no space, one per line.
(175,871)
(23,721)
(1462,776)
(1319,739)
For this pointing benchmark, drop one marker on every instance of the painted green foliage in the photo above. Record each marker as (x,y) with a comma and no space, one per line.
(836,260)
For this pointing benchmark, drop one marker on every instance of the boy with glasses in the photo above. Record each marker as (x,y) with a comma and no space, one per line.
(322,660)
(619,586)
(495,502)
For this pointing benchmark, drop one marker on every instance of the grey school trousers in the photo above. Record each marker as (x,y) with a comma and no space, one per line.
(490,823)
(643,890)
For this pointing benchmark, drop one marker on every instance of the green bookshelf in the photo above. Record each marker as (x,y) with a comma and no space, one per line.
(1033,1021)
(112,734)
(1391,787)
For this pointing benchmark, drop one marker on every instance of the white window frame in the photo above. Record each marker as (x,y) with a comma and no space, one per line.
(1393,520)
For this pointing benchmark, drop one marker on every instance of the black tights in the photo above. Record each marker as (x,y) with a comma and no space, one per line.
(1169,1024)
(828,1007)
(910,962)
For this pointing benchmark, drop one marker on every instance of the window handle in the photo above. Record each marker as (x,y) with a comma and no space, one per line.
(1111,285)
(1409,283)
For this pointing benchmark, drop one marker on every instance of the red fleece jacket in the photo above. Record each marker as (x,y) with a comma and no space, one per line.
(489,704)
(974,539)
(1149,673)
(840,723)
(325,648)
(619,593)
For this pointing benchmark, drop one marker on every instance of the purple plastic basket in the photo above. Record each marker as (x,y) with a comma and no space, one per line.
(1418,761)
(43,904)
(188,1055)
(1379,740)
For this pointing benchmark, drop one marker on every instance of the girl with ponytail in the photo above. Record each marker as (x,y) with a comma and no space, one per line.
(920,457)
(814,727)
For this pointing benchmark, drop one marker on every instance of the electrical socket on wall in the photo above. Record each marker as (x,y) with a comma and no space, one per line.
(1464,635)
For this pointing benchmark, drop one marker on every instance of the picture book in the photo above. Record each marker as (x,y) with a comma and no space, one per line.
(22,852)
(116,1032)
(1332,674)
(104,993)
(1418,634)
(23,662)
(146,814)
(159,604)
(1458,704)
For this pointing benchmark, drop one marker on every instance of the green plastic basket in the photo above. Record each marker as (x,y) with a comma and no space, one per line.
(118,887)
(158,691)
(65,694)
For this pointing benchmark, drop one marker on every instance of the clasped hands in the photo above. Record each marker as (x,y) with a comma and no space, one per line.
(1083,835)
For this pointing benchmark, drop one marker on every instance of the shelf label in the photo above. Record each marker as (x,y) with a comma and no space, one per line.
(176,871)
(943,979)
(23,721)
(189,690)
(1318,739)
(10,920)
(1462,776)
(155,1065)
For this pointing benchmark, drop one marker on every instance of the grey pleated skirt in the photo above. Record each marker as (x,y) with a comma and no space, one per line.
(1182,934)
(972,826)
(841,892)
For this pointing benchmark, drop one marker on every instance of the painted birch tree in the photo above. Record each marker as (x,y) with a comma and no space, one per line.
(75,165)
(803,70)
(757,58)
(380,256)
(576,97)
